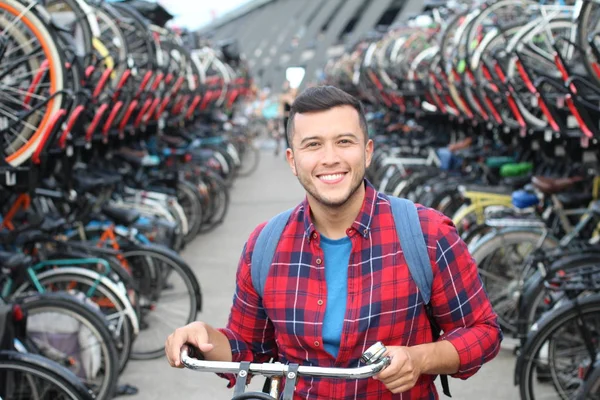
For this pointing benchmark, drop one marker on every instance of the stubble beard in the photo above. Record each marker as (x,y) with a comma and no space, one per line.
(310,189)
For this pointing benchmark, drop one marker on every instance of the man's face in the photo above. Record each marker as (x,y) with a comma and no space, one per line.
(329,154)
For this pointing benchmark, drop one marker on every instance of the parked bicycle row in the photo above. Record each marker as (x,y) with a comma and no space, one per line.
(489,113)
(121,144)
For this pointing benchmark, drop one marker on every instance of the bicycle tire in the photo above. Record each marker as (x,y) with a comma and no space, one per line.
(168,262)
(94,321)
(591,385)
(483,253)
(582,38)
(125,337)
(27,141)
(535,290)
(188,198)
(219,201)
(546,327)
(249,167)
(43,369)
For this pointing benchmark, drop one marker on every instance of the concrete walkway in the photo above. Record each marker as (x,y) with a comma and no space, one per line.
(214,259)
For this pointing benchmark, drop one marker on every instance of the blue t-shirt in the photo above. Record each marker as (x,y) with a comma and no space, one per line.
(337,256)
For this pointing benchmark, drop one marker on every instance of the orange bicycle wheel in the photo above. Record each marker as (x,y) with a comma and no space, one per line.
(31,77)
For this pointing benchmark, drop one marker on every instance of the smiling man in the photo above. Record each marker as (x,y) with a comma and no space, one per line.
(339,281)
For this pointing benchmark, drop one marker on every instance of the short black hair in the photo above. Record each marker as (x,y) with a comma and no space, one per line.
(323,98)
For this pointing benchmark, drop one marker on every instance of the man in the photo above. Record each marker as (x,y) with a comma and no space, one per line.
(339,281)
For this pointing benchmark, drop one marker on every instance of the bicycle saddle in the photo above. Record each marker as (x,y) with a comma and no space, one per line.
(14,260)
(121,216)
(554,185)
(86,183)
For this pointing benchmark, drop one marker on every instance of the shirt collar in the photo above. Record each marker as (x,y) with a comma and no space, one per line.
(362,223)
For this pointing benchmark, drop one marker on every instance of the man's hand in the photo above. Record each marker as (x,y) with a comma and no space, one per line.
(404,370)
(213,345)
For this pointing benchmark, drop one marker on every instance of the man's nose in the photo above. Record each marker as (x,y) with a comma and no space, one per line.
(330,154)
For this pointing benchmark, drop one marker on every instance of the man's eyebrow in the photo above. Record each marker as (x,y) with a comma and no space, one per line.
(341,135)
(309,138)
(352,135)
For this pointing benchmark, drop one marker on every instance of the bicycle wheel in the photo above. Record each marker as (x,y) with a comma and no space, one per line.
(537,299)
(171,296)
(500,258)
(66,330)
(591,386)
(250,158)
(111,305)
(587,23)
(32,377)
(550,361)
(219,201)
(76,18)
(31,75)
(187,197)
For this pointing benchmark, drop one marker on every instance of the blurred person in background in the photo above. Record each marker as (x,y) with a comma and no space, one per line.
(288,95)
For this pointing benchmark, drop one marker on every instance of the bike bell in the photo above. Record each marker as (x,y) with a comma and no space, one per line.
(373,353)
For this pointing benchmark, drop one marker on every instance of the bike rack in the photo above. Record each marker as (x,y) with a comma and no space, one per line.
(36,80)
(121,84)
(102,82)
(151,110)
(94,124)
(163,107)
(157,81)
(144,83)
(193,106)
(142,112)
(126,118)
(111,119)
(62,142)
(54,121)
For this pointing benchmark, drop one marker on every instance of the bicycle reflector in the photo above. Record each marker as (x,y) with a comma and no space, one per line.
(17,313)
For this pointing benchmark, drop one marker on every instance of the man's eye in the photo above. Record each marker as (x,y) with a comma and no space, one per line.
(345,141)
(312,144)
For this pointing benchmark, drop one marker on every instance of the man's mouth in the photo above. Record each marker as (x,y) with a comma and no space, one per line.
(332,178)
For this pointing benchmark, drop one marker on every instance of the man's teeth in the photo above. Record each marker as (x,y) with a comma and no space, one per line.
(331,177)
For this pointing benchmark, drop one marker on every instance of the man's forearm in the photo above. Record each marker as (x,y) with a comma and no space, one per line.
(436,358)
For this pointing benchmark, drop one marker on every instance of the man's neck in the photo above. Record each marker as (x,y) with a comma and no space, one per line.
(333,221)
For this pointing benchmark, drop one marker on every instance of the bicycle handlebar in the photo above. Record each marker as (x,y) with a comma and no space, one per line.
(275,369)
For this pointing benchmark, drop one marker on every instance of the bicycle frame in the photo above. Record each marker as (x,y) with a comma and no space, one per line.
(479,202)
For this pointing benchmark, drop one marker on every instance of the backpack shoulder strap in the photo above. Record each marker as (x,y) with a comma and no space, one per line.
(264,249)
(408,226)
(410,234)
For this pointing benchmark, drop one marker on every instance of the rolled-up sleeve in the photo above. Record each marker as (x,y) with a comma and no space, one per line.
(460,303)
(249,330)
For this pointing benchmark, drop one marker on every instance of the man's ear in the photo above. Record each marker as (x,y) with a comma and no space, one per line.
(368,153)
(289,156)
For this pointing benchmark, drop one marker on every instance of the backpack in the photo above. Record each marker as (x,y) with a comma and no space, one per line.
(408,227)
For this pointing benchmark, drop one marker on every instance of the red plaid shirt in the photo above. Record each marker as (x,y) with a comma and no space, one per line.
(383,302)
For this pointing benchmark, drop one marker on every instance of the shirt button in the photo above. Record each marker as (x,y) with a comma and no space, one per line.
(351,231)
(318,261)
(320,302)
(366,232)
(317,344)
(314,235)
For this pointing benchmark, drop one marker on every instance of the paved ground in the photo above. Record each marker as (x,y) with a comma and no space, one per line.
(214,259)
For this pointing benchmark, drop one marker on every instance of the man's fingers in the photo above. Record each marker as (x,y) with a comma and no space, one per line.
(206,347)
(397,363)
(399,385)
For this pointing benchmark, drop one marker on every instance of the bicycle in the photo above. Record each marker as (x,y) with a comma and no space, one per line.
(373,357)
